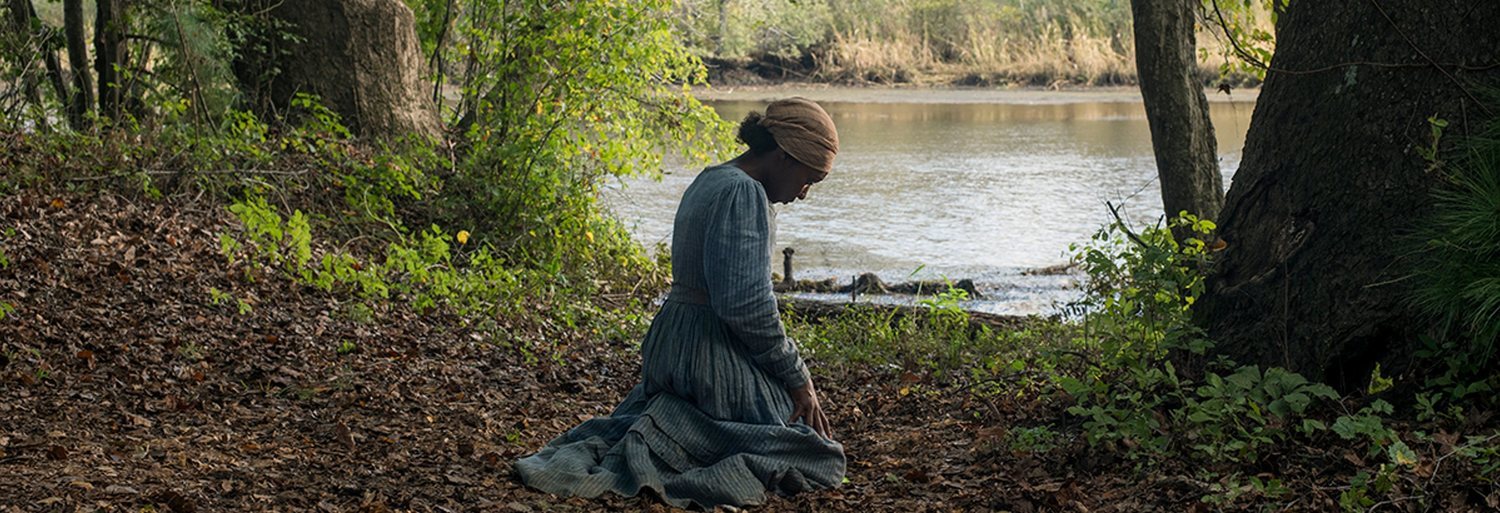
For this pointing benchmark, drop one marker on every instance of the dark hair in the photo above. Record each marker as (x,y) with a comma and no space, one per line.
(757,137)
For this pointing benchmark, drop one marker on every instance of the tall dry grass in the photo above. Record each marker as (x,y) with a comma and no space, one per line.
(1029,42)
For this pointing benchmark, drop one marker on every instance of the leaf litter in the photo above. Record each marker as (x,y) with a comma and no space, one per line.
(123,386)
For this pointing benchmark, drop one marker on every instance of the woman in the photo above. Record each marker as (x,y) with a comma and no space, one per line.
(712,421)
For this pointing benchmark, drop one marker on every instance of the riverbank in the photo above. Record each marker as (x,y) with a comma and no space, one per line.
(932,95)
(764,70)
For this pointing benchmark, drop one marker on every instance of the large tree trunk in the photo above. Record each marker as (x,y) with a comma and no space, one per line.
(78,59)
(371,48)
(1311,278)
(1177,110)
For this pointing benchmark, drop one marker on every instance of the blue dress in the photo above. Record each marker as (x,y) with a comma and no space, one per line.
(707,424)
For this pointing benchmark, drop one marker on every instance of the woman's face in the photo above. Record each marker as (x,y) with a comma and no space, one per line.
(790,181)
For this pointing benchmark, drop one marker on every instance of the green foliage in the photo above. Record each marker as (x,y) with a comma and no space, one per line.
(1234,488)
(270,237)
(1154,413)
(1456,374)
(946,306)
(219,297)
(1457,246)
(554,100)
(1364,486)
(1028,41)
(782,27)
(938,339)
(1246,29)
(194,56)
(1233,417)
(1484,451)
(1378,383)
(1368,425)
(180,68)
(1430,153)
(1037,439)
(1141,288)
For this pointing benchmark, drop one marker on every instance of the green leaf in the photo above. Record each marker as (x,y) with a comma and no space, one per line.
(1245,378)
(1321,390)
(1400,454)
(1346,427)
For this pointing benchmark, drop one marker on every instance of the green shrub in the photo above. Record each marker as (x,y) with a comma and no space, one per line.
(1140,290)
(1137,308)
(1457,268)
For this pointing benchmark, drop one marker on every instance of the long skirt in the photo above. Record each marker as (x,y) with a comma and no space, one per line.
(704,427)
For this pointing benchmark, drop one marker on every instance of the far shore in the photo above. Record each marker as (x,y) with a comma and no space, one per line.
(945,95)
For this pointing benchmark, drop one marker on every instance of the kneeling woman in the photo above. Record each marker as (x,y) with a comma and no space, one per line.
(715,418)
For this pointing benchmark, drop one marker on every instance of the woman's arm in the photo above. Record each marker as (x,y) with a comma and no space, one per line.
(736,268)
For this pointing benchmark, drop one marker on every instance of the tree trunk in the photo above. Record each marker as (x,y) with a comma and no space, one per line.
(78,60)
(111,54)
(723,28)
(371,47)
(20,17)
(1311,279)
(23,15)
(1181,135)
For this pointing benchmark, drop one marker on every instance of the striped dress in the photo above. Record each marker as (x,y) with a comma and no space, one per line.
(707,424)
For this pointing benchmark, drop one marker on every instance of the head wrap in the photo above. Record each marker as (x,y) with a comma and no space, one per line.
(803,130)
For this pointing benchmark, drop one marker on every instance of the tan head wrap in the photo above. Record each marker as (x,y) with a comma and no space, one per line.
(804,130)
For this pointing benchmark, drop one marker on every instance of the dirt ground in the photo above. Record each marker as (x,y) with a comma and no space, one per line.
(124,387)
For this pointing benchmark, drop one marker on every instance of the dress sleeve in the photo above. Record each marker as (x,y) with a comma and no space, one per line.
(737,272)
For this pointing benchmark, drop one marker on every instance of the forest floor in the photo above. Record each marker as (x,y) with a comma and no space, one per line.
(126,386)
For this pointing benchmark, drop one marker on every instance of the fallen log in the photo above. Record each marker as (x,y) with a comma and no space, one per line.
(869,283)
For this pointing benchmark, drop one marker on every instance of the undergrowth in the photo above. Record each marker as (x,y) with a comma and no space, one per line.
(497,221)
(1103,381)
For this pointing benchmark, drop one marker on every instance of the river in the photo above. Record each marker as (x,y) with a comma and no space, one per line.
(979,184)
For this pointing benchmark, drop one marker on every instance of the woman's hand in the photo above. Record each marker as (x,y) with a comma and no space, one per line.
(805,406)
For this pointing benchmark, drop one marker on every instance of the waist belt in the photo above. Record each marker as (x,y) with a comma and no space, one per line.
(689,295)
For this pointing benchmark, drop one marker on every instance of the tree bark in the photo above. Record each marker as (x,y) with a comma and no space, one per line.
(723,28)
(1311,278)
(371,47)
(1176,109)
(78,60)
(110,54)
(23,14)
(20,17)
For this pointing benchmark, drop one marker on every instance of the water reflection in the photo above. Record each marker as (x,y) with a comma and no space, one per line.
(979,191)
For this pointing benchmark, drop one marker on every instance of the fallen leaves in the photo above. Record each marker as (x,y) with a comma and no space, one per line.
(57,453)
(344,436)
(198,408)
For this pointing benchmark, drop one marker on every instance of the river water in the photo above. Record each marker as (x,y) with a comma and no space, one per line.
(956,184)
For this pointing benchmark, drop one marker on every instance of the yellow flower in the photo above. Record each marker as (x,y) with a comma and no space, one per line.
(463,236)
